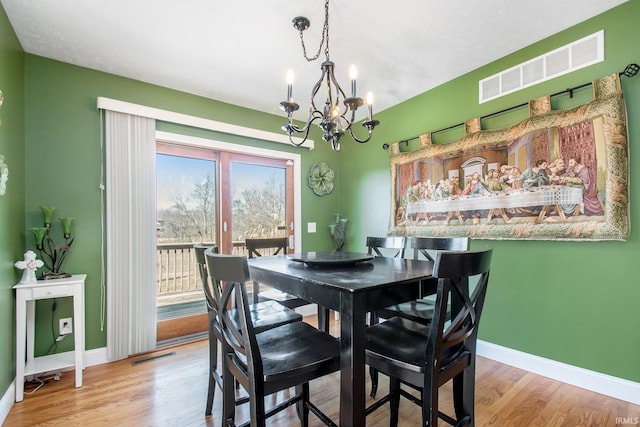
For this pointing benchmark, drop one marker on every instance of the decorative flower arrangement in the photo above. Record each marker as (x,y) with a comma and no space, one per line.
(338,232)
(53,254)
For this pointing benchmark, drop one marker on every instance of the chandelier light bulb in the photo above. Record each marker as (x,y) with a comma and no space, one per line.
(335,112)
(353,72)
(369,98)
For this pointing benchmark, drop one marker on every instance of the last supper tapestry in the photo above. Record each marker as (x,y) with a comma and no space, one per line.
(558,175)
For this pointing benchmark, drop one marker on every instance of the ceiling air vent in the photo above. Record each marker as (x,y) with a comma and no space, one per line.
(579,54)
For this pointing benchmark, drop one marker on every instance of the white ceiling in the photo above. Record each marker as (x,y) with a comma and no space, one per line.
(239,51)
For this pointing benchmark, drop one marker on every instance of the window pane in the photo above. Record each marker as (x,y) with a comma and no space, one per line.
(259,201)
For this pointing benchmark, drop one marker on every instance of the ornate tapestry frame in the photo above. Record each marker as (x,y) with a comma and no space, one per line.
(593,134)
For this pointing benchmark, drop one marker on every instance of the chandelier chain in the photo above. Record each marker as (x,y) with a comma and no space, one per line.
(325,37)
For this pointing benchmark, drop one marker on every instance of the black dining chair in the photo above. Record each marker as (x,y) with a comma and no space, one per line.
(420,310)
(424,357)
(388,246)
(278,246)
(264,315)
(263,363)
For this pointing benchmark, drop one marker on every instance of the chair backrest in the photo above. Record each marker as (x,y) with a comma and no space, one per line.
(422,245)
(230,273)
(268,246)
(376,244)
(451,345)
(201,265)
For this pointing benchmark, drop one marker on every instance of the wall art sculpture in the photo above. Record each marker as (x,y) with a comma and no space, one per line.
(558,175)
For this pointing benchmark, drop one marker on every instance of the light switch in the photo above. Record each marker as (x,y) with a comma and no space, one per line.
(311,227)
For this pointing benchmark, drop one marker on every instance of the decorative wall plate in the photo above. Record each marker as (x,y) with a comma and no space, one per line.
(321,179)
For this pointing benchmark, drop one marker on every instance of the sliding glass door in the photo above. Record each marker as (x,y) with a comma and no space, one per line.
(211,197)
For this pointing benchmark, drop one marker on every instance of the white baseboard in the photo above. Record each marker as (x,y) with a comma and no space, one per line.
(7,401)
(96,356)
(608,385)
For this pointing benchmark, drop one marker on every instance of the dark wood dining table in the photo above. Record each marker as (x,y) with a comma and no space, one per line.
(353,289)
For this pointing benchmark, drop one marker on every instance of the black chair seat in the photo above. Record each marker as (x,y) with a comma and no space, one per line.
(296,353)
(268,314)
(420,310)
(282,298)
(409,347)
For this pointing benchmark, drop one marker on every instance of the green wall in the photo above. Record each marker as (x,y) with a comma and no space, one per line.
(63,159)
(574,302)
(12,203)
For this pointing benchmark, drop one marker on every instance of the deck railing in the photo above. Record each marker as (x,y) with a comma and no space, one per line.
(176,267)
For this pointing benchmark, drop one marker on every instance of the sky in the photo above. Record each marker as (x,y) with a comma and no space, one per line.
(175,174)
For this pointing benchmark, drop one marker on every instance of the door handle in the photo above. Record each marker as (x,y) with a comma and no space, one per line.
(291,242)
(224,226)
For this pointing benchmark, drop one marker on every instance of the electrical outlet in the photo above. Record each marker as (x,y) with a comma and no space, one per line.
(66,327)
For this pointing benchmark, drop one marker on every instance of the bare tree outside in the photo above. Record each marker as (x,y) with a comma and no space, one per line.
(258,211)
(192,217)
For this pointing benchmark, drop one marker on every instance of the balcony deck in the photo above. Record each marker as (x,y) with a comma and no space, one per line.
(178,289)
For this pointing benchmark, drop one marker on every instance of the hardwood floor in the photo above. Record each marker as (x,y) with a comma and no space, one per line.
(171,391)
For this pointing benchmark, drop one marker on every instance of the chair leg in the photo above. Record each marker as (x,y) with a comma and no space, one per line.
(430,402)
(394,402)
(228,390)
(323,319)
(257,408)
(213,366)
(464,396)
(301,407)
(373,373)
(210,394)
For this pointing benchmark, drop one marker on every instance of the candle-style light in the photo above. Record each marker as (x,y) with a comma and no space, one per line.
(290,85)
(353,74)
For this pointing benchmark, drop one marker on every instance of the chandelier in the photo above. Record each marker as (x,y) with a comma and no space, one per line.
(334,119)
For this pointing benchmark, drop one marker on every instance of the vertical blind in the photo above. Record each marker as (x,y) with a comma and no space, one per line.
(130,234)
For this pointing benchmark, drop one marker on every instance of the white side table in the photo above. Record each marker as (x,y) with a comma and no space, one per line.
(26,296)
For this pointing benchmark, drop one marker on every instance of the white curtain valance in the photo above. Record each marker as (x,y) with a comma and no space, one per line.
(198,122)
